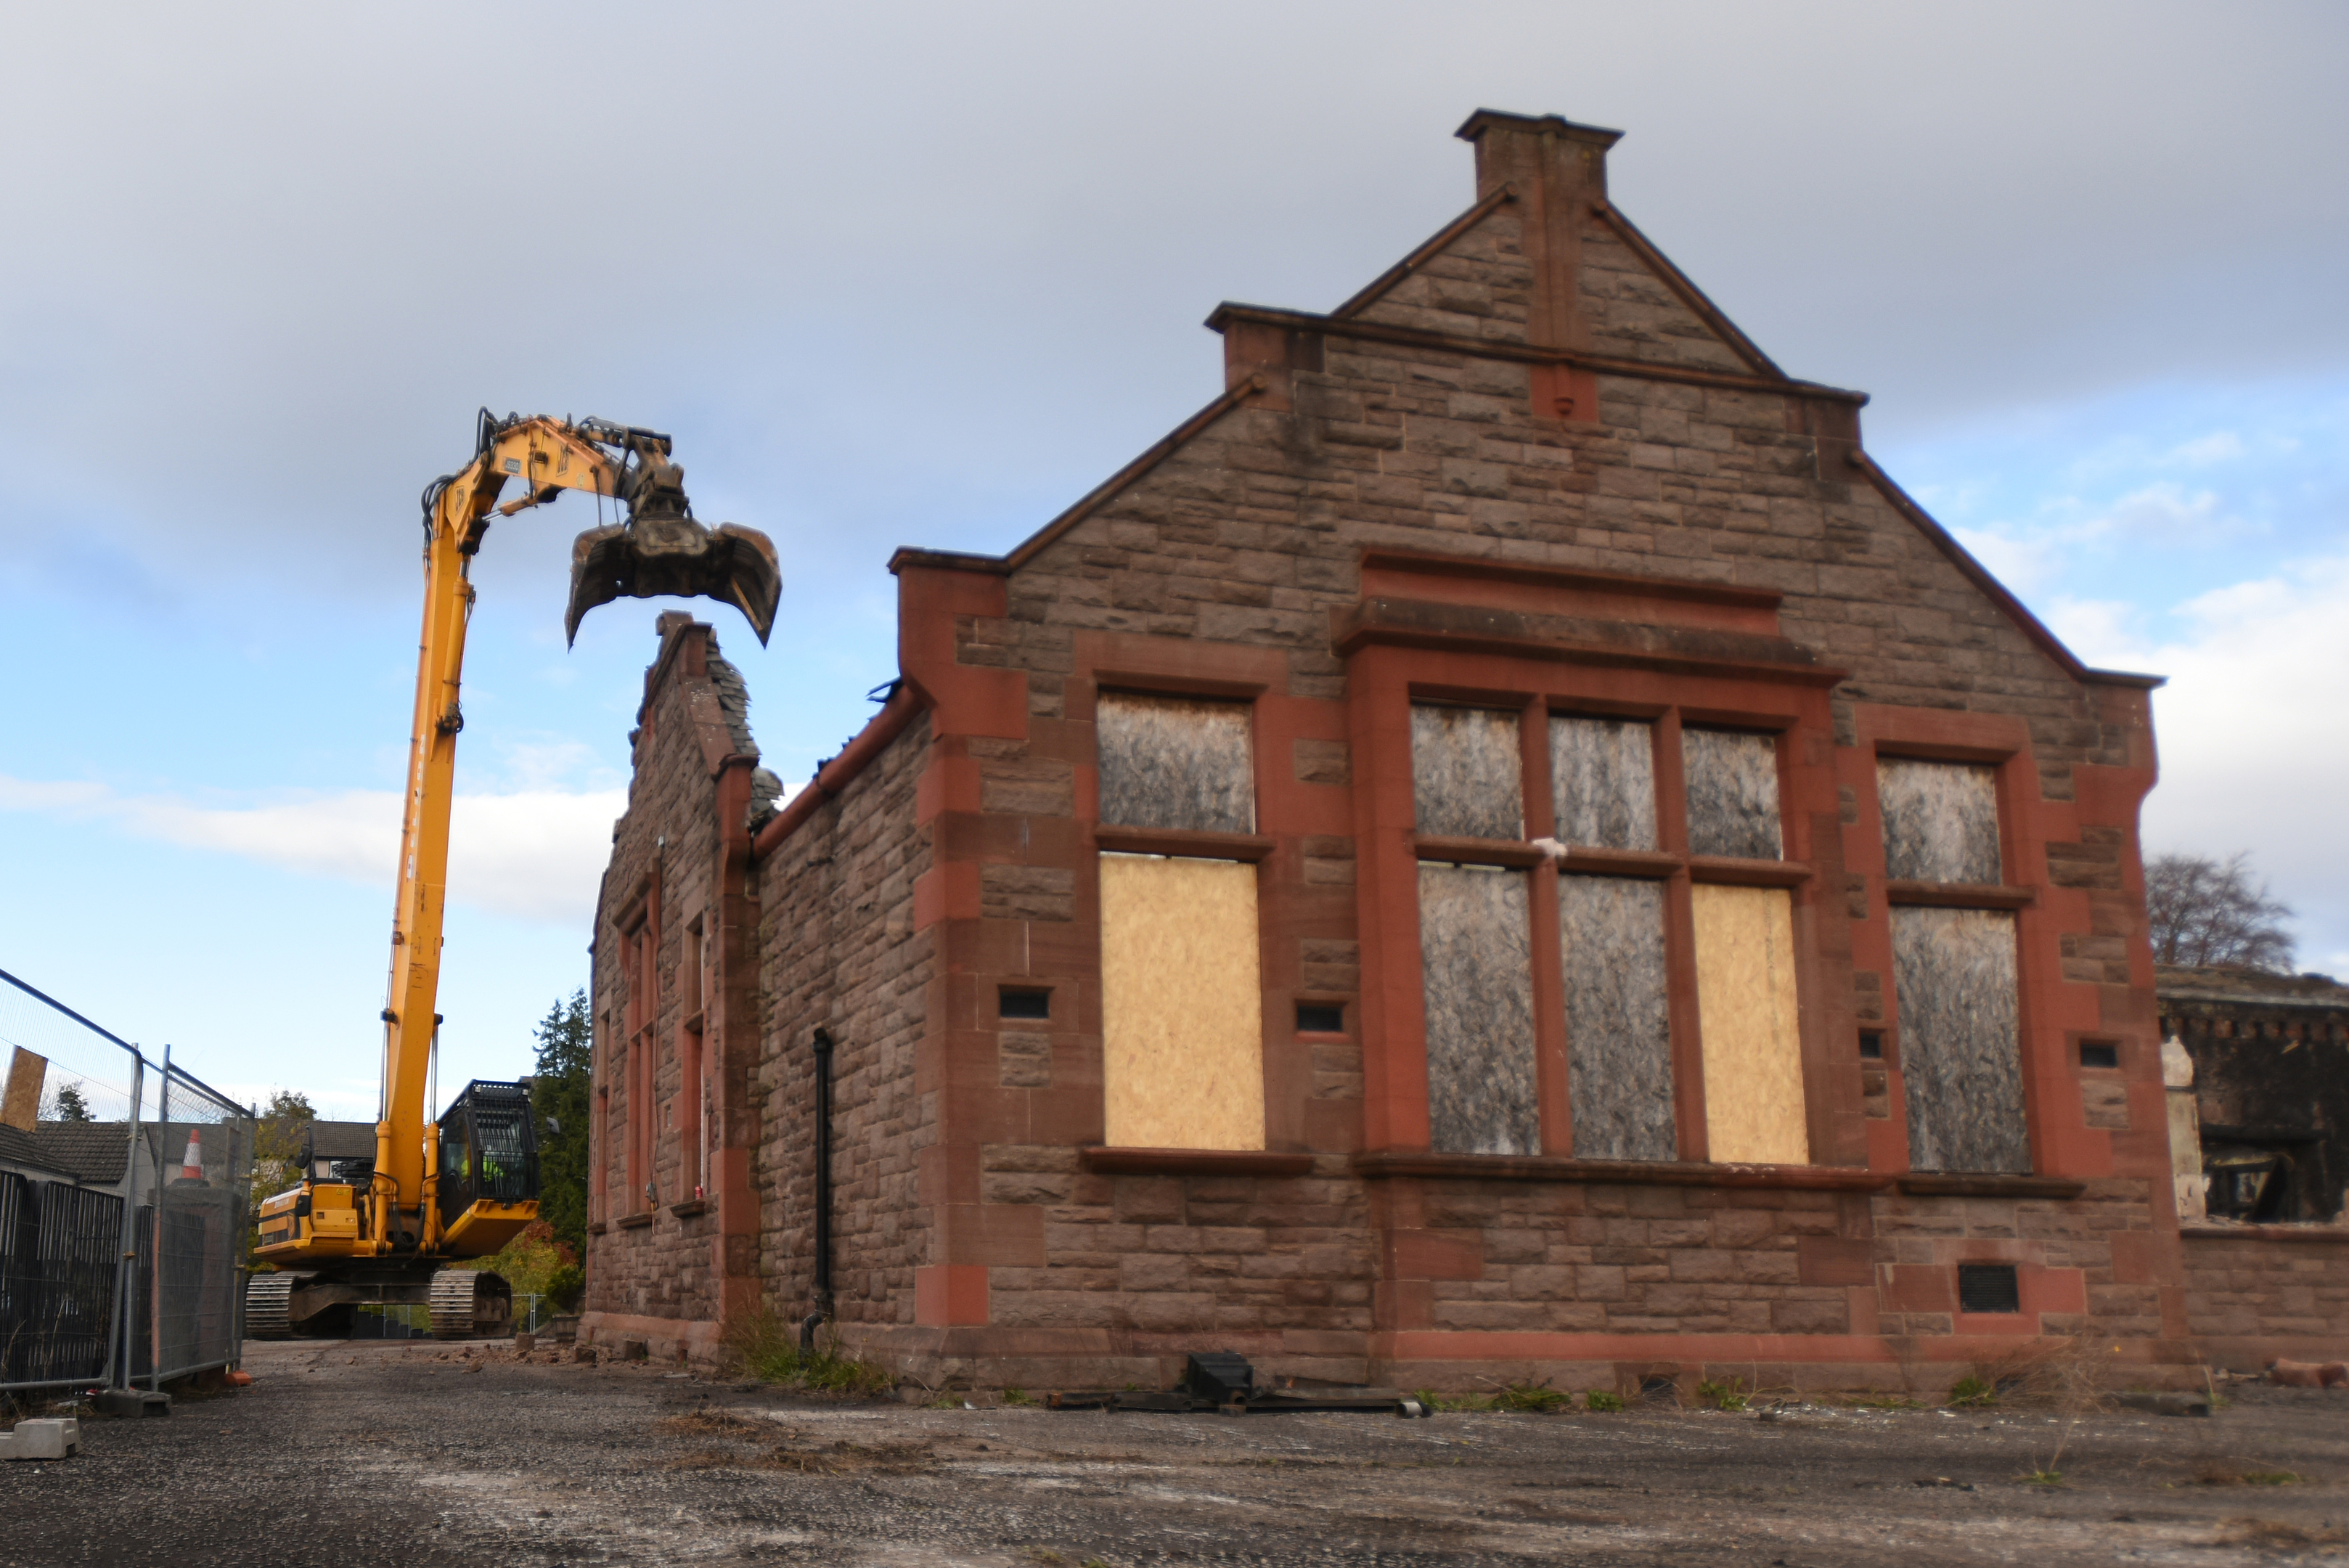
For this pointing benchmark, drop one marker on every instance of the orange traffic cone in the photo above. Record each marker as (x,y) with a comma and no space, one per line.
(191,1164)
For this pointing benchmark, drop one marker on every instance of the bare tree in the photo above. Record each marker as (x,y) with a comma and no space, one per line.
(2209,911)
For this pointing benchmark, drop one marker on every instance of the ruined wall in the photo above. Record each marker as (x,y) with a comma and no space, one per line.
(2271,1056)
(2255,1293)
(838,948)
(660,1025)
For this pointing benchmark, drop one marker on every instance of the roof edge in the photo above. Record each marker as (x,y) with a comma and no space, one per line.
(1093,500)
(1434,245)
(1681,283)
(2029,625)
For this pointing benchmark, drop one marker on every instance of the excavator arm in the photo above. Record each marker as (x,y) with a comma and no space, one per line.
(656,549)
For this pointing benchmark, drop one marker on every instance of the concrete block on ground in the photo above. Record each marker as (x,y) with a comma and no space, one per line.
(51,1440)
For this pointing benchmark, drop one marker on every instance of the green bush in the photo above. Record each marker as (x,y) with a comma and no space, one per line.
(1598,1400)
(566,1286)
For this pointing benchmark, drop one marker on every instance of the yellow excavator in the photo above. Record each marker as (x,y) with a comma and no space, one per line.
(380,1221)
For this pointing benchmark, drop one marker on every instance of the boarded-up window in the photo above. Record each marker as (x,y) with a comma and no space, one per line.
(1941,821)
(1603,782)
(1175,762)
(1182,1004)
(1953,979)
(1466,776)
(1732,793)
(1746,1014)
(1618,1031)
(1480,1010)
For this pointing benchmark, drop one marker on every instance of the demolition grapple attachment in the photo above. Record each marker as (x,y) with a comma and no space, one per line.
(661,549)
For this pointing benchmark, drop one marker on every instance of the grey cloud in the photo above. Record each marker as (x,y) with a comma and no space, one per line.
(924,274)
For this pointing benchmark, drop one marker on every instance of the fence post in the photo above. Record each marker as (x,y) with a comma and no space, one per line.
(155,1274)
(117,1330)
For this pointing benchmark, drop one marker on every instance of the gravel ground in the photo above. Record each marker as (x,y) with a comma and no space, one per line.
(348,1454)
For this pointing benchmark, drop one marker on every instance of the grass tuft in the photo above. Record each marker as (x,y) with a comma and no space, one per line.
(1970,1393)
(1598,1399)
(1017,1396)
(1538,1397)
(767,1348)
(1726,1395)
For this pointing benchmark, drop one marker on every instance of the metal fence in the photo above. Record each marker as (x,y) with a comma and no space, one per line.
(58,1248)
(124,1209)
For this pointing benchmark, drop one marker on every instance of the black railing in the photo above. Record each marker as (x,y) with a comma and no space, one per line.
(58,1271)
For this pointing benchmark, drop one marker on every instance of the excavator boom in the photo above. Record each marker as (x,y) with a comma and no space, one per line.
(409,1206)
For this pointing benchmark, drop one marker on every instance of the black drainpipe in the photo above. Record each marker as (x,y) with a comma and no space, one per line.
(821,1297)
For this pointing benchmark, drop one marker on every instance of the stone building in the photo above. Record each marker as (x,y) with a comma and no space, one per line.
(2259,1066)
(1506,841)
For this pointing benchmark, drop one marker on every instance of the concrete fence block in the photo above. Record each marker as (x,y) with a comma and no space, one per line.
(42,1440)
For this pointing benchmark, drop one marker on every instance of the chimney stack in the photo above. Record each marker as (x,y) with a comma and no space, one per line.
(1559,171)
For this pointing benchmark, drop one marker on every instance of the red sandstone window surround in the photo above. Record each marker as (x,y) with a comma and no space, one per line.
(1605,921)
(1181,995)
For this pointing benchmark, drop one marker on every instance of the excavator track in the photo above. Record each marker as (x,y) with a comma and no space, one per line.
(268,1299)
(467,1303)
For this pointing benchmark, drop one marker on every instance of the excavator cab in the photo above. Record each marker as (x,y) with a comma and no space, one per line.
(488,1181)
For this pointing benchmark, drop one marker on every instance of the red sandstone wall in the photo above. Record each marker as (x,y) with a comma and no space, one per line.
(648,1268)
(971,1226)
(2258,1292)
(838,948)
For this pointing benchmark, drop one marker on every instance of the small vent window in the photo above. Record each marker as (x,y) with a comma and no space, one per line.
(1987,1287)
(2099,1053)
(1024,1004)
(1320,1018)
(1871,1045)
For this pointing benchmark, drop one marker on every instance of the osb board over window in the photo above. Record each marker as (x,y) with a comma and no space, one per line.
(1175,762)
(1467,778)
(1746,1013)
(1603,782)
(1960,1048)
(1732,793)
(1618,1025)
(1182,1004)
(1476,954)
(1941,821)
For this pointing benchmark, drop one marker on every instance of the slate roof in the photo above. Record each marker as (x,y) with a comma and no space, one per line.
(21,1148)
(95,1151)
(342,1140)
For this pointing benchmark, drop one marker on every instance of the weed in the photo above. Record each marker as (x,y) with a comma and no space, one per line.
(2227,1475)
(2043,1478)
(1045,1555)
(724,1421)
(1017,1396)
(1464,1401)
(766,1348)
(1598,1399)
(1973,1393)
(1531,1396)
(1729,1395)
(1886,1402)
(2275,1535)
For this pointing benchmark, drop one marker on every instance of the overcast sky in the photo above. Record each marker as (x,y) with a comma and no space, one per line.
(924,275)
